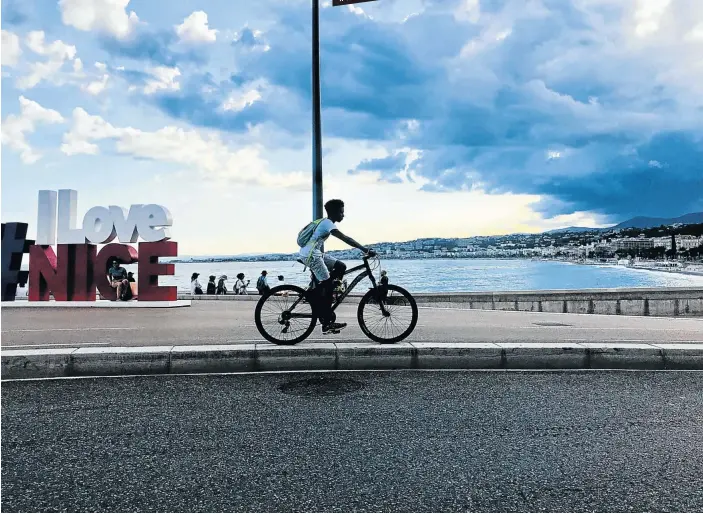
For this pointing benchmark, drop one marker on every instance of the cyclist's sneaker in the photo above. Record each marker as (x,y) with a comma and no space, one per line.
(333,328)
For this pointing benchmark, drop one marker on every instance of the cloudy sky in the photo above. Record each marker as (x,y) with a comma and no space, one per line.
(440,117)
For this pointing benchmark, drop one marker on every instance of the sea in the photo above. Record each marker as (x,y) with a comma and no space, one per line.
(445,275)
(451,275)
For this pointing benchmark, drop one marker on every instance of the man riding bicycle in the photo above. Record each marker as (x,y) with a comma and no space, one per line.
(326,269)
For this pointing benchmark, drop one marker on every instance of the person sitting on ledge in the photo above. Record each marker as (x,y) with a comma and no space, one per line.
(132,285)
(240,287)
(221,286)
(211,287)
(195,287)
(118,280)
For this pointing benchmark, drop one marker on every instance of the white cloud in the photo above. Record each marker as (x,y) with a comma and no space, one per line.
(15,127)
(696,33)
(469,10)
(655,164)
(11,50)
(108,16)
(77,65)
(202,151)
(194,29)
(87,128)
(56,53)
(164,78)
(241,100)
(648,15)
(258,44)
(356,9)
(97,86)
(58,49)
(102,66)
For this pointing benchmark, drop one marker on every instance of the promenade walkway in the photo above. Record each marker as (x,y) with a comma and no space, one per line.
(232,323)
(221,337)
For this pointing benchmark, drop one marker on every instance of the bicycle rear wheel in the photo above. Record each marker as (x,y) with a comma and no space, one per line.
(396,323)
(285,315)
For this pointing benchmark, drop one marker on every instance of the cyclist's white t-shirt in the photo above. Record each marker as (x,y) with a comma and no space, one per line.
(319,236)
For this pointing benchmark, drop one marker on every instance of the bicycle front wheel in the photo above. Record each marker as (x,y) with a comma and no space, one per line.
(285,315)
(392,320)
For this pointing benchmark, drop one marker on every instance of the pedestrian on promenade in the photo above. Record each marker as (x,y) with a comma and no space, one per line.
(384,284)
(195,287)
(262,284)
(240,287)
(211,287)
(221,287)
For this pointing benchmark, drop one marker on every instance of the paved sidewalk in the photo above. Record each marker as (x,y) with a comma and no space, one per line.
(221,337)
(218,323)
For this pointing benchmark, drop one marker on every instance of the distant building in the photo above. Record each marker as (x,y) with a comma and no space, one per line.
(687,242)
(633,243)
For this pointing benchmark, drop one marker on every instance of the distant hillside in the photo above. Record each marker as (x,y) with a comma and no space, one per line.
(638,222)
(572,229)
(645,222)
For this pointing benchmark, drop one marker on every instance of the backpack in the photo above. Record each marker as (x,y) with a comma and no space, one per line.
(306,233)
(260,284)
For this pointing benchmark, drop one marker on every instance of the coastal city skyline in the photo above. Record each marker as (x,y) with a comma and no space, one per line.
(574,243)
(527,117)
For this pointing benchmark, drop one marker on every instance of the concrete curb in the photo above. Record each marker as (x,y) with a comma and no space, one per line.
(313,356)
(98,304)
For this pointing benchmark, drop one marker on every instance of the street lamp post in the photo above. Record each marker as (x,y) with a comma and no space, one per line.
(317,106)
(316,115)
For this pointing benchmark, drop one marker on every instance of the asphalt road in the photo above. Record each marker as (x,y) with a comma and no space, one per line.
(392,441)
(231,322)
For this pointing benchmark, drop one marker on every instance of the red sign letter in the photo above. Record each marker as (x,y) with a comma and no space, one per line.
(47,274)
(150,269)
(83,286)
(124,253)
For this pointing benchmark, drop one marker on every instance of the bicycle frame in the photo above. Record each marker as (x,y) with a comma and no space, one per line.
(367,273)
(355,282)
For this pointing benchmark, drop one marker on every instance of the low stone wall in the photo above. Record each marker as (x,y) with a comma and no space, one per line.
(673,301)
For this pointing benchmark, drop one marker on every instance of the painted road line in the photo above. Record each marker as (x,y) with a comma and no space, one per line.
(49,344)
(309,339)
(646,329)
(363,339)
(82,329)
(650,341)
(355,371)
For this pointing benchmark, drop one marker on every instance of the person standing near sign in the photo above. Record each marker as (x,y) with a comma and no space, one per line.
(118,279)
(262,284)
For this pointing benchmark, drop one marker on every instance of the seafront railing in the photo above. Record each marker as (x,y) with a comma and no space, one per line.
(666,301)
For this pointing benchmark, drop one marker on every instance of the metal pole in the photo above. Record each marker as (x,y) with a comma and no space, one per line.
(316,115)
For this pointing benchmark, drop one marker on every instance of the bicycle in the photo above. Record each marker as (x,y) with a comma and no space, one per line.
(294,320)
